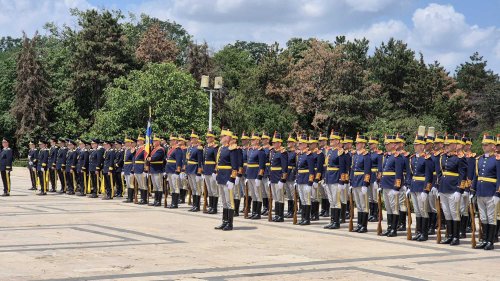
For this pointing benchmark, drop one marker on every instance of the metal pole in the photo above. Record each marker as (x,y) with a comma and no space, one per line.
(210,112)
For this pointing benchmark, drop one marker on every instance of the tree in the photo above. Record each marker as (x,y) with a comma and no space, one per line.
(198,60)
(178,105)
(9,49)
(154,46)
(32,89)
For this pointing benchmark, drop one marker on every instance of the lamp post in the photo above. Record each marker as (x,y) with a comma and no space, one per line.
(205,85)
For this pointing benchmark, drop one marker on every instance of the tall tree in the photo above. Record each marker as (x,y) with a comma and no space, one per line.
(155,47)
(32,89)
(198,60)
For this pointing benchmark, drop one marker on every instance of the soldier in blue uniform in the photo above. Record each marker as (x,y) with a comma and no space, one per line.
(61,164)
(344,213)
(245,141)
(486,187)
(157,167)
(419,182)
(277,176)
(52,163)
(465,225)
(140,174)
(256,165)
(6,159)
(173,169)
(238,190)
(209,158)
(32,158)
(42,167)
(319,161)
(118,168)
(128,168)
(291,175)
(183,184)
(265,139)
(360,181)
(70,168)
(390,183)
(438,142)
(335,178)
(451,175)
(194,169)
(325,204)
(95,166)
(376,156)
(82,168)
(403,192)
(305,178)
(107,170)
(227,172)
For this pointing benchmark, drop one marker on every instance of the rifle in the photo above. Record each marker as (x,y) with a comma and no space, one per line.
(438,210)
(473,225)
(135,190)
(351,213)
(190,191)
(379,226)
(295,208)
(166,185)
(270,212)
(246,201)
(408,209)
(205,195)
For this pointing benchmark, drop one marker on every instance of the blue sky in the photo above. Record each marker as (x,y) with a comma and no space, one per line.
(447,31)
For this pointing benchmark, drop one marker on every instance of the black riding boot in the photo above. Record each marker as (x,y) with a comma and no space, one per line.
(389,226)
(456,233)
(483,239)
(258,210)
(364,223)
(394,226)
(463,226)
(490,237)
(281,213)
(224,219)
(237,207)
(449,227)
(230,216)
(432,223)
(332,219)
(342,212)
(289,213)
(425,228)
(265,204)
(253,210)
(307,215)
(175,201)
(402,221)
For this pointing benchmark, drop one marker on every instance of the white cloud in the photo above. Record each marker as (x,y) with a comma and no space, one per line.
(381,31)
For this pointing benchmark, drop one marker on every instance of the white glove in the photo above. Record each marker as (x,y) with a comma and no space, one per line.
(258,182)
(164,175)
(350,189)
(408,192)
(295,185)
(230,185)
(434,190)
(379,190)
(214,176)
(246,181)
(199,178)
(146,175)
(471,197)
(342,187)
(465,194)
(183,176)
(393,192)
(30,163)
(423,196)
(315,185)
(364,189)
(237,181)
(280,185)
(496,199)
(457,196)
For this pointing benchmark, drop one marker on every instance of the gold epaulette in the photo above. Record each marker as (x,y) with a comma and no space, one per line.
(340,151)
(427,155)
(460,154)
(233,146)
(200,147)
(497,156)
(396,154)
(364,152)
(436,153)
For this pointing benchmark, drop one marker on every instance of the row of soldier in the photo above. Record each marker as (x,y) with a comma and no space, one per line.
(332,172)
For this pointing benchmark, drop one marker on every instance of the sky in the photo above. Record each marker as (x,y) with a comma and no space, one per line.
(446,31)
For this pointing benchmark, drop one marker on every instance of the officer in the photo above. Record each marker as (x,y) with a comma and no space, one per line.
(471,167)
(419,183)
(291,175)
(227,171)
(42,166)
(400,147)
(305,178)
(194,169)
(6,159)
(157,167)
(237,193)
(32,158)
(376,156)
(245,144)
(335,178)
(436,154)
(451,173)
(128,168)
(347,142)
(95,166)
(486,187)
(53,152)
(209,158)
(70,167)
(390,183)
(265,139)
(118,168)
(173,169)
(360,181)
(107,170)
(82,168)
(277,176)
(325,204)
(256,165)
(61,165)
(139,172)
(319,161)
(183,184)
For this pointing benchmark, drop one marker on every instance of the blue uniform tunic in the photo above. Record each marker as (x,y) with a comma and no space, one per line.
(157,162)
(336,166)
(109,160)
(174,161)
(139,160)
(128,162)
(6,159)
(71,160)
(209,155)
(266,149)
(305,168)
(392,171)
(376,158)
(194,157)
(61,158)
(43,159)
(82,164)
(95,159)
(256,164)
(53,156)
(486,181)
(279,165)
(292,165)
(227,164)
(451,173)
(420,176)
(361,169)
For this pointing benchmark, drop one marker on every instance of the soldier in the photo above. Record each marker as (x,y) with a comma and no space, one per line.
(451,174)
(118,168)
(32,159)
(347,142)
(52,163)
(390,183)
(157,167)
(6,159)
(209,158)
(325,204)
(256,165)
(107,170)
(61,164)
(319,161)
(227,171)
(419,183)
(173,169)
(277,176)
(194,169)
(70,167)
(82,168)
(376,156)
(128,168)
(360,181)
(95,166)
(291,175)
(42,167)
(305,178)
(335,178)
(400,147)
(245,140)
(265,179)
(238,182)
(438,142)
(486,187)
(465,148)
(183,184)
(140,174)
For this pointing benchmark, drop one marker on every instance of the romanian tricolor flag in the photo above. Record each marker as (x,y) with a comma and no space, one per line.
(149,136)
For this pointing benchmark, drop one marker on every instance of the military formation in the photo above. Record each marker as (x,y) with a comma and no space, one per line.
(442,182)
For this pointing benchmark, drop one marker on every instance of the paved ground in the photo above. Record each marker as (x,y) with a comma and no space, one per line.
(61,237)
